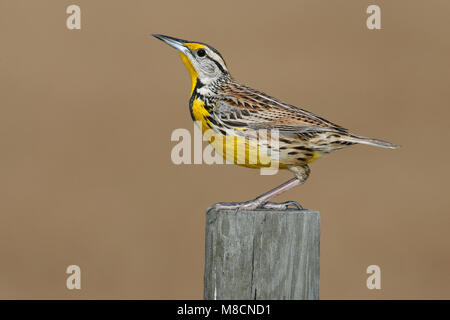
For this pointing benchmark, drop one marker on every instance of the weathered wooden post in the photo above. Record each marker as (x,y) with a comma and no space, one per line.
(262,254)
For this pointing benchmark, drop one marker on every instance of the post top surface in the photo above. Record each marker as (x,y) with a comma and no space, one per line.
(211,210)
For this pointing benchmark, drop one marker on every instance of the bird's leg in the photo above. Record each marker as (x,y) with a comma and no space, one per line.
(262,201)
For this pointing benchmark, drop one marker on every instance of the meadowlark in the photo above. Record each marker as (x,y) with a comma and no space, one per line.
(220,104)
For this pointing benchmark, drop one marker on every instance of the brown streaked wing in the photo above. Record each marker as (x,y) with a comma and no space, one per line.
(241,106)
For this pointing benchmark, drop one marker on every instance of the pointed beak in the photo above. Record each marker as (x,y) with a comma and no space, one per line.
(173,42)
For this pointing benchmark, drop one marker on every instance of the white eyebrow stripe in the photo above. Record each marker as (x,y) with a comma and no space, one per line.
(216,58)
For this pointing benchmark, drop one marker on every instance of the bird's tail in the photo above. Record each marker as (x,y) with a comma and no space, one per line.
(369,141)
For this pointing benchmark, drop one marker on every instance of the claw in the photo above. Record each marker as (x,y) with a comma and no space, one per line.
(282,205)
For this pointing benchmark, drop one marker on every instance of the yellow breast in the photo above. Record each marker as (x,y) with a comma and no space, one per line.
(233,148)
(236,148)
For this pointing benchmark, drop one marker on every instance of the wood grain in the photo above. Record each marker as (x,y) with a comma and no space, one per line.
(262,254)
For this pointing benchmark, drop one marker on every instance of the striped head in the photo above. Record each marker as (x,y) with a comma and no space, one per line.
(204,63)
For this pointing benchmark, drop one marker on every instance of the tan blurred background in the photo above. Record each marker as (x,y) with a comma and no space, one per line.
(86,117)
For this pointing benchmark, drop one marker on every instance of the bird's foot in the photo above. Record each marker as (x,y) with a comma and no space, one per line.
(255,204)
(246,205)
(281,205)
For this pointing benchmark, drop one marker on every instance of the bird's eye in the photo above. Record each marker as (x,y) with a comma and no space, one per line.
(201,53)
